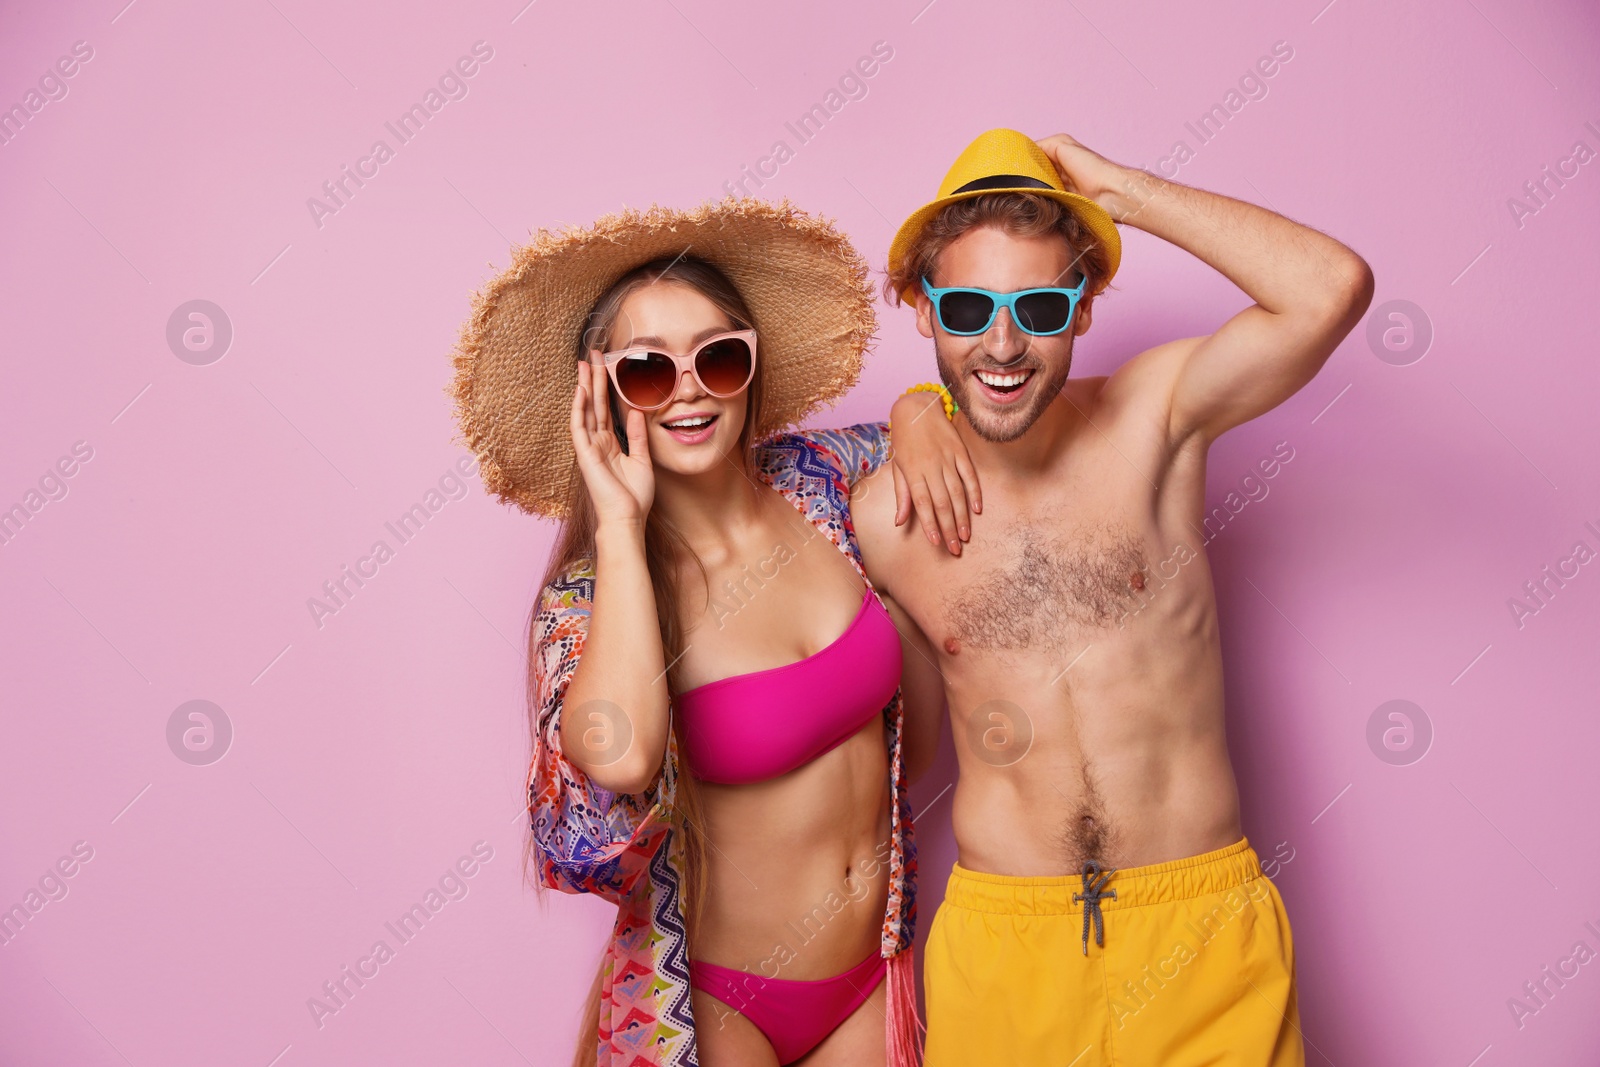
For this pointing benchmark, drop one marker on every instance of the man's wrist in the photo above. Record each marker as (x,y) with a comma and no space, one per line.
(1131,193)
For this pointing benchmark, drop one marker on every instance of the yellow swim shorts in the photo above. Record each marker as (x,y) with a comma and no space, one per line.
(1177,964)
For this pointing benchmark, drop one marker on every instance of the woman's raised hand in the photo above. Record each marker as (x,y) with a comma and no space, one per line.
(622,486)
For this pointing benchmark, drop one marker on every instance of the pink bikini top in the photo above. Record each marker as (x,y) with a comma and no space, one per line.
(752,727)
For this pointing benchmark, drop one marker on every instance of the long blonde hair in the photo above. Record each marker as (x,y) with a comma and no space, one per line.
(665,550)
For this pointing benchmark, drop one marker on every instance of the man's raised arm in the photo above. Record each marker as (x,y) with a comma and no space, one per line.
(1309,291)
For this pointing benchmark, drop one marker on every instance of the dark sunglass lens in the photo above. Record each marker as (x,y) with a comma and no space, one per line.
(646,379)
(724,366)
(1043,312)
(965,312)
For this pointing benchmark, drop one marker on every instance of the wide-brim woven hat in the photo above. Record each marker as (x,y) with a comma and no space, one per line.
(516,365)
(1005,161)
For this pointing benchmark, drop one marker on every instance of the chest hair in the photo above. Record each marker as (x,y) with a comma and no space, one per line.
(1047,587)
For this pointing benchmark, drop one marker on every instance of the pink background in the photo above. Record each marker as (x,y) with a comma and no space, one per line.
(369,754)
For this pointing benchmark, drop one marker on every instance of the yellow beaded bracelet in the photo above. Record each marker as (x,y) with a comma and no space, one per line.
(949,401)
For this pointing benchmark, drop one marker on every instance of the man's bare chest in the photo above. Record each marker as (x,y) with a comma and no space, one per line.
(1040,583)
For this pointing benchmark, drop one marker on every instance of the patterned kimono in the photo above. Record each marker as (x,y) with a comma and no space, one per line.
(622,847)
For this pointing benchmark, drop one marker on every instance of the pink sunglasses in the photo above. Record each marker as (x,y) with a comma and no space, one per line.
(647,378)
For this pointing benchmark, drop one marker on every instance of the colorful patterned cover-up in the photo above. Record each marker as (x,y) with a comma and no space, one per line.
(622,847)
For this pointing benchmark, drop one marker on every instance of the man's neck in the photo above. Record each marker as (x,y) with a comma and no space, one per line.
(1035,452)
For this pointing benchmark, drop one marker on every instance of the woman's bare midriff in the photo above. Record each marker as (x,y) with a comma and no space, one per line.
(799,871)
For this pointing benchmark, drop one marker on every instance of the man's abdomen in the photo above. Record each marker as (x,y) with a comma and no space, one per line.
(1126,765)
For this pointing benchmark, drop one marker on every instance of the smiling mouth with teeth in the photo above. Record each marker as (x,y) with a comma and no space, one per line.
(1004,383)
(693,422)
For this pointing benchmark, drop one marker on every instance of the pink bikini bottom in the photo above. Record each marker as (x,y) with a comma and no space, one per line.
(794,1016)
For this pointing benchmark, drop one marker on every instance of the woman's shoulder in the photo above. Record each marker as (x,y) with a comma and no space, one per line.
(849,452)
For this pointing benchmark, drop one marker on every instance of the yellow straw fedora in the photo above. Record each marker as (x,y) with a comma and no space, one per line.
(515,361)
(1005,161)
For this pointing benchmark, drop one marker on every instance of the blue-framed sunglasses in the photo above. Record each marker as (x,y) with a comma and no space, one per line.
(1040,312)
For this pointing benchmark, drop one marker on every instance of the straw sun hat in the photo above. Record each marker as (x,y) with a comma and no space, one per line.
(516,360)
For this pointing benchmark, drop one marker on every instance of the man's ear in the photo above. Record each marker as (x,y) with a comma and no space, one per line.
(924,314)
(1082,320)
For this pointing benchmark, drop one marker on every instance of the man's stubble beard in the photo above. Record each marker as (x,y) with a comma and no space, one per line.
(1014,425)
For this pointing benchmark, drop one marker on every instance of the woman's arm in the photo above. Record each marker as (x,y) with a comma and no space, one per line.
(616,720)
(588,839)
(921,693)
(855,451)
(932,470)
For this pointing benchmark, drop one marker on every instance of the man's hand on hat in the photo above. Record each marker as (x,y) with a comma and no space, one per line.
(1111,185)
(621,485)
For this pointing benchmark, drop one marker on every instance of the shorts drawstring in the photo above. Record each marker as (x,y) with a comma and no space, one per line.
(1094,890)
